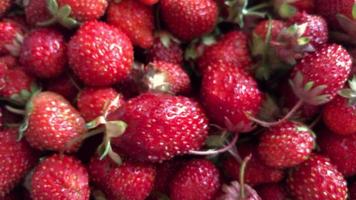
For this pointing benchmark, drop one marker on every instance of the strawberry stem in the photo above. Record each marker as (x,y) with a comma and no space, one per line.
(217,151)
(15,110)
(242,176)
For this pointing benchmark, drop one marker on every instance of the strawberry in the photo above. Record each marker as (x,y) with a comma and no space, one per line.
(135,19)
(317,179)
(189,19)
(43,53)
(63,85)
(100,54)
(132,181)
(67,12)
(52,122)
(340,150)
(232,48)
(198,179)
(228,94)
(165,48)
(157,127)
(91,102)
(256,171)
(329,9)
(5,6)
(148,2)
(11,36)
(272,192)
(318,77)
(261,29)
(16,160)
(60,177)
(286,145)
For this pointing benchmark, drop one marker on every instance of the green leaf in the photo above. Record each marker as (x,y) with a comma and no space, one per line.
(165,40)
(104,149)
(64,12)
(354,11)
(309,85)
(52,7)
(69,23)
(22,129)
(115,128)
(286,10)
(303,41)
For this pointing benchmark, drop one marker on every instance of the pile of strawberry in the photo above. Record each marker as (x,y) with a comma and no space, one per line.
(177,99)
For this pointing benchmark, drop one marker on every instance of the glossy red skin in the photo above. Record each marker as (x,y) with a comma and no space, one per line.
(63,169)
(15,80)
(286,145)
(330,65)
(196,180)
(330,8)
(91,102)
(272,192)
(172,54)
(8,31)
(340,149)
(135,19)
(232,48)
(100,62)
(189,19)
(256,171)
(177,77)
(229,92)
(317,179)
(16,159)
(5,6)
(317,28)
(339,116)
(161,126)
(44,53)
(261,28)
(63,85)
(132,181)
(53,122)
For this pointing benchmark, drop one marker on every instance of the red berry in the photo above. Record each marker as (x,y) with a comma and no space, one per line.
(11,34)
(16,80)
(197,179)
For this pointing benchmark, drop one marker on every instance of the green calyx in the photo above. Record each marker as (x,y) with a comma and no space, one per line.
(350,93)
(61,15)
(354,11)
(286,10)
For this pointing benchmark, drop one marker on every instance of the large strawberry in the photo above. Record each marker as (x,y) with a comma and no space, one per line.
(229,94)
(160,126)
(60,177)
(44,53)
(272,192)
(189,19)
(11,36)
(134,19)
(317,179)
(52,122)
(197,179)
(100,54)
(16,158)
(286,145)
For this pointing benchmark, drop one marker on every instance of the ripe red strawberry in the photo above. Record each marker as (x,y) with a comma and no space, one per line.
(161,126)
(52,123)
(63,85)
(228,94)
(189,19)
(317,179)
(232,48)
(43,53)
(330,8)
(261,29)
(36,11)
(316,27)
(272,192)
(197,179)
(92,102)
(149,2)
(135,19)
(286,145)
(5,6)
(16,159)
(340,149)
(11,34)
(99,54)
(60,177)
(165,48)
(132,181)
(320,75)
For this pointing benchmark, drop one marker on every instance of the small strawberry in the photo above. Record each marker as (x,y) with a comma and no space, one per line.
(99,54)
(43,53)
(135,19)
(317,179)
(256,171)
(339,115)
(52,122)
(197,179)
(63,85)
(36,11)
(272,192)
(161,126)
(340,149)
(286,145)
(11,36)
(228,94)
(148,2)
(189,19)
(60,177)
(262,28)
(92,102)
(16,159)
(231,48)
